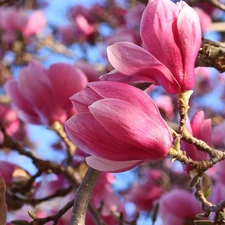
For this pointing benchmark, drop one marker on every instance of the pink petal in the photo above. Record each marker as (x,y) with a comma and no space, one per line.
(159,34)
(206,131)
(21,103)
(127,93)
(91,137)
(130,125)
(123,78)
(196,123)
(83,99)
(189,31)
(131,59)
(111,166)
(67,80)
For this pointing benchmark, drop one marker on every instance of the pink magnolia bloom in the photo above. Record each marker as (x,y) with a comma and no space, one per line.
(103,192)
(36,23)
(89,70)
(178,207)
(205,19)
(118,125)
(218,136)
(201,129)
(167,31)
(166,106)
(9,119)
(143,194)
(13,20)
(43,95)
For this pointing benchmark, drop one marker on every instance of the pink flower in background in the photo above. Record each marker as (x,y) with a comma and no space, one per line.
(205,19)
(43,95)
(143,194)
(167,31)
(119,125)
(165,105)
(6,170)
(218,135)
(36,23)
(133,16)
(178,207)
(103,192)
(9,119)
(201,129)
(13,20)
(88,69)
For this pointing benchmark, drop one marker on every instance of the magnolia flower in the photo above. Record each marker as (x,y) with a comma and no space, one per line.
(43,95)
(178,207)
(201,129)
(118,125)
(171,36)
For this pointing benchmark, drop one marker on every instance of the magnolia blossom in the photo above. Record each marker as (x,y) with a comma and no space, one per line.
(143,194)
(201,129)
(178,207)
(171,36)
(118,125)
(43,95)
(13,21)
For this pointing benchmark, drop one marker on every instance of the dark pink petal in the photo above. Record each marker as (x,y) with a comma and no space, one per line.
(189,31)
(111,166)
(130,125)
(160,36)
(91,137)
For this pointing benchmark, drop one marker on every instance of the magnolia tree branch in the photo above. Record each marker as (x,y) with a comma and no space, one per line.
(211,54)
(43,165)
(82,197)
(70,147)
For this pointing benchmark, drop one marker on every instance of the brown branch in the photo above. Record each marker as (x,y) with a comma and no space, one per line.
(83,195)
(15,198)
(54,218)
(96,214)
(211,54)
(42,165)
(70,147)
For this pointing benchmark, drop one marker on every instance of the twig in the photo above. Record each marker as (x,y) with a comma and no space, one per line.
(96,215)
(70,147)
(56,217)
(42,165)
